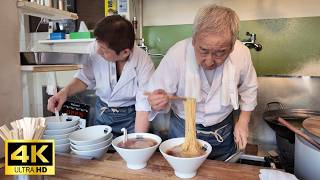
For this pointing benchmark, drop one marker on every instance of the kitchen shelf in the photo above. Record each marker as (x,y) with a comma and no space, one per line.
(64,46)
(34,9)
(66,41)
(49,68)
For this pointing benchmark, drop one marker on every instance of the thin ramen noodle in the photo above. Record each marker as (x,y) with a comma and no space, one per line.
(191,147)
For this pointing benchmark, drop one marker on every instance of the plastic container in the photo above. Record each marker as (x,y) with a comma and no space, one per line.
(81,35)
(57,35)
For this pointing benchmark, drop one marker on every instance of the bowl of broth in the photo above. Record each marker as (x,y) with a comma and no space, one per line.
(138,149)
(184,165)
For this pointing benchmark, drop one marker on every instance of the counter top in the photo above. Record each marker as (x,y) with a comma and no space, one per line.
(113,167)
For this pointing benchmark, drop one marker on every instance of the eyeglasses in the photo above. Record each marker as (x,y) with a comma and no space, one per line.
(218,54)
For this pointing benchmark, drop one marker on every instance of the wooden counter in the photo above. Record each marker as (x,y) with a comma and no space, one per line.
(113,167)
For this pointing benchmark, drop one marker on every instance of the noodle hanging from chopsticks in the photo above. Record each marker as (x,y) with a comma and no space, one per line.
(191,147)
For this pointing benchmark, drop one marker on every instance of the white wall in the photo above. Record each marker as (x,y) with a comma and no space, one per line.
(171,12)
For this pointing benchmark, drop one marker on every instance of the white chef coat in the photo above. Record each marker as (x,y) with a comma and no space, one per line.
(170,76)
(100,74)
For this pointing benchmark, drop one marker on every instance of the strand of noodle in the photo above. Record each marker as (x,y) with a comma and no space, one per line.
(191,146)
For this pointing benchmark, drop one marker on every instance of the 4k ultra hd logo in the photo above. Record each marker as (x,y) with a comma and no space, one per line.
(29,157)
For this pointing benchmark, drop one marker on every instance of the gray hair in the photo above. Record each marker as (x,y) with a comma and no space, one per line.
(216,19)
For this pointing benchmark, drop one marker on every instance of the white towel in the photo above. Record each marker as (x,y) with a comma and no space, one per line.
(192,76)
(229,89)
(270,174)
(51,83)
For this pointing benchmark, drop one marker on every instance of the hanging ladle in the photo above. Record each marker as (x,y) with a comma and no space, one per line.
(299,132)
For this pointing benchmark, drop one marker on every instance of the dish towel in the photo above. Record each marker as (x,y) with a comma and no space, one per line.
(192,75)
(51,83)
(229,89)
(270,174)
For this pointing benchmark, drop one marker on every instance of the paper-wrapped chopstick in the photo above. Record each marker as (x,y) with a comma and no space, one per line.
(26,128)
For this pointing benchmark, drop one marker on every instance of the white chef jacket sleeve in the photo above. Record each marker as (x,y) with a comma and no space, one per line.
(145,70)
(86,75)
(248,84)
(167,74)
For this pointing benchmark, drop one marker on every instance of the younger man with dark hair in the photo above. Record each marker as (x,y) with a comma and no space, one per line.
(118,70)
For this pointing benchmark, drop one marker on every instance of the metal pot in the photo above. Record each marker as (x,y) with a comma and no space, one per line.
(307,159)
(293,116)
(286,138)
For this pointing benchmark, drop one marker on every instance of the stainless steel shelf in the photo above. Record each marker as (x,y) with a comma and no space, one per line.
(50,68)
(34,9)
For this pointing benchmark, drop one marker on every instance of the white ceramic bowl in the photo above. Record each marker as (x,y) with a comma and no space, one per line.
(56,137)
(62,141)
(136,158)
(184,167)
(97,153)
(54,124)
(91,135)
(61,131)
(92,146)
(63,148)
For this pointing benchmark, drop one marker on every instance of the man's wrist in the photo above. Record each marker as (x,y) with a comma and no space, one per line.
(64,91)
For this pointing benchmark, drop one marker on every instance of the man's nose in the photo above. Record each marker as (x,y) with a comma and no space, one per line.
(210,62)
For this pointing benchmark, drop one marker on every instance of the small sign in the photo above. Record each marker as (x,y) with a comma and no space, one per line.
(29,157)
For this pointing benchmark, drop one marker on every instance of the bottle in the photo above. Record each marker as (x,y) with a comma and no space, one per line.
(55,4)
(48,3)
(50,28)
(135,24)
(61,4)
(65,5)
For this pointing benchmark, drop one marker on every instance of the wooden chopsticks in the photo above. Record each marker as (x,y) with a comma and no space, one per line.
(171,97)
(26,128)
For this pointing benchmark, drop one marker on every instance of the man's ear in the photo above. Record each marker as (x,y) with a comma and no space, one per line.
(125,53)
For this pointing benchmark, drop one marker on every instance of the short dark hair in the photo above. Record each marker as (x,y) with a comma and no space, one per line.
(116,32)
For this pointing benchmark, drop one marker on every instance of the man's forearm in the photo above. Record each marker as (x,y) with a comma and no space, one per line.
(74,87)
(245,116)
(142,121)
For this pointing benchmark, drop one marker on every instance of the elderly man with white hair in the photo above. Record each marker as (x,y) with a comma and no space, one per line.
(216,69)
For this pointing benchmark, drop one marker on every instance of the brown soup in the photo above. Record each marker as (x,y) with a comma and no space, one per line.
(137,143)
(177,152)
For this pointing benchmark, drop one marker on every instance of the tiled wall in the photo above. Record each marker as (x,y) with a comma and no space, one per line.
(291,46)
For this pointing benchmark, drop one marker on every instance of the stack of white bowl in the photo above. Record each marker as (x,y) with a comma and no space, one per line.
(59,130)
(93,141)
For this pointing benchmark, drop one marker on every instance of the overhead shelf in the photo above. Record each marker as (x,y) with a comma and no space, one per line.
(49,68)
(34,9)
(66,41)
(64,46)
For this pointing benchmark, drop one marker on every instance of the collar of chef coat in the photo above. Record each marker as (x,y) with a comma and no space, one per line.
(129,71)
